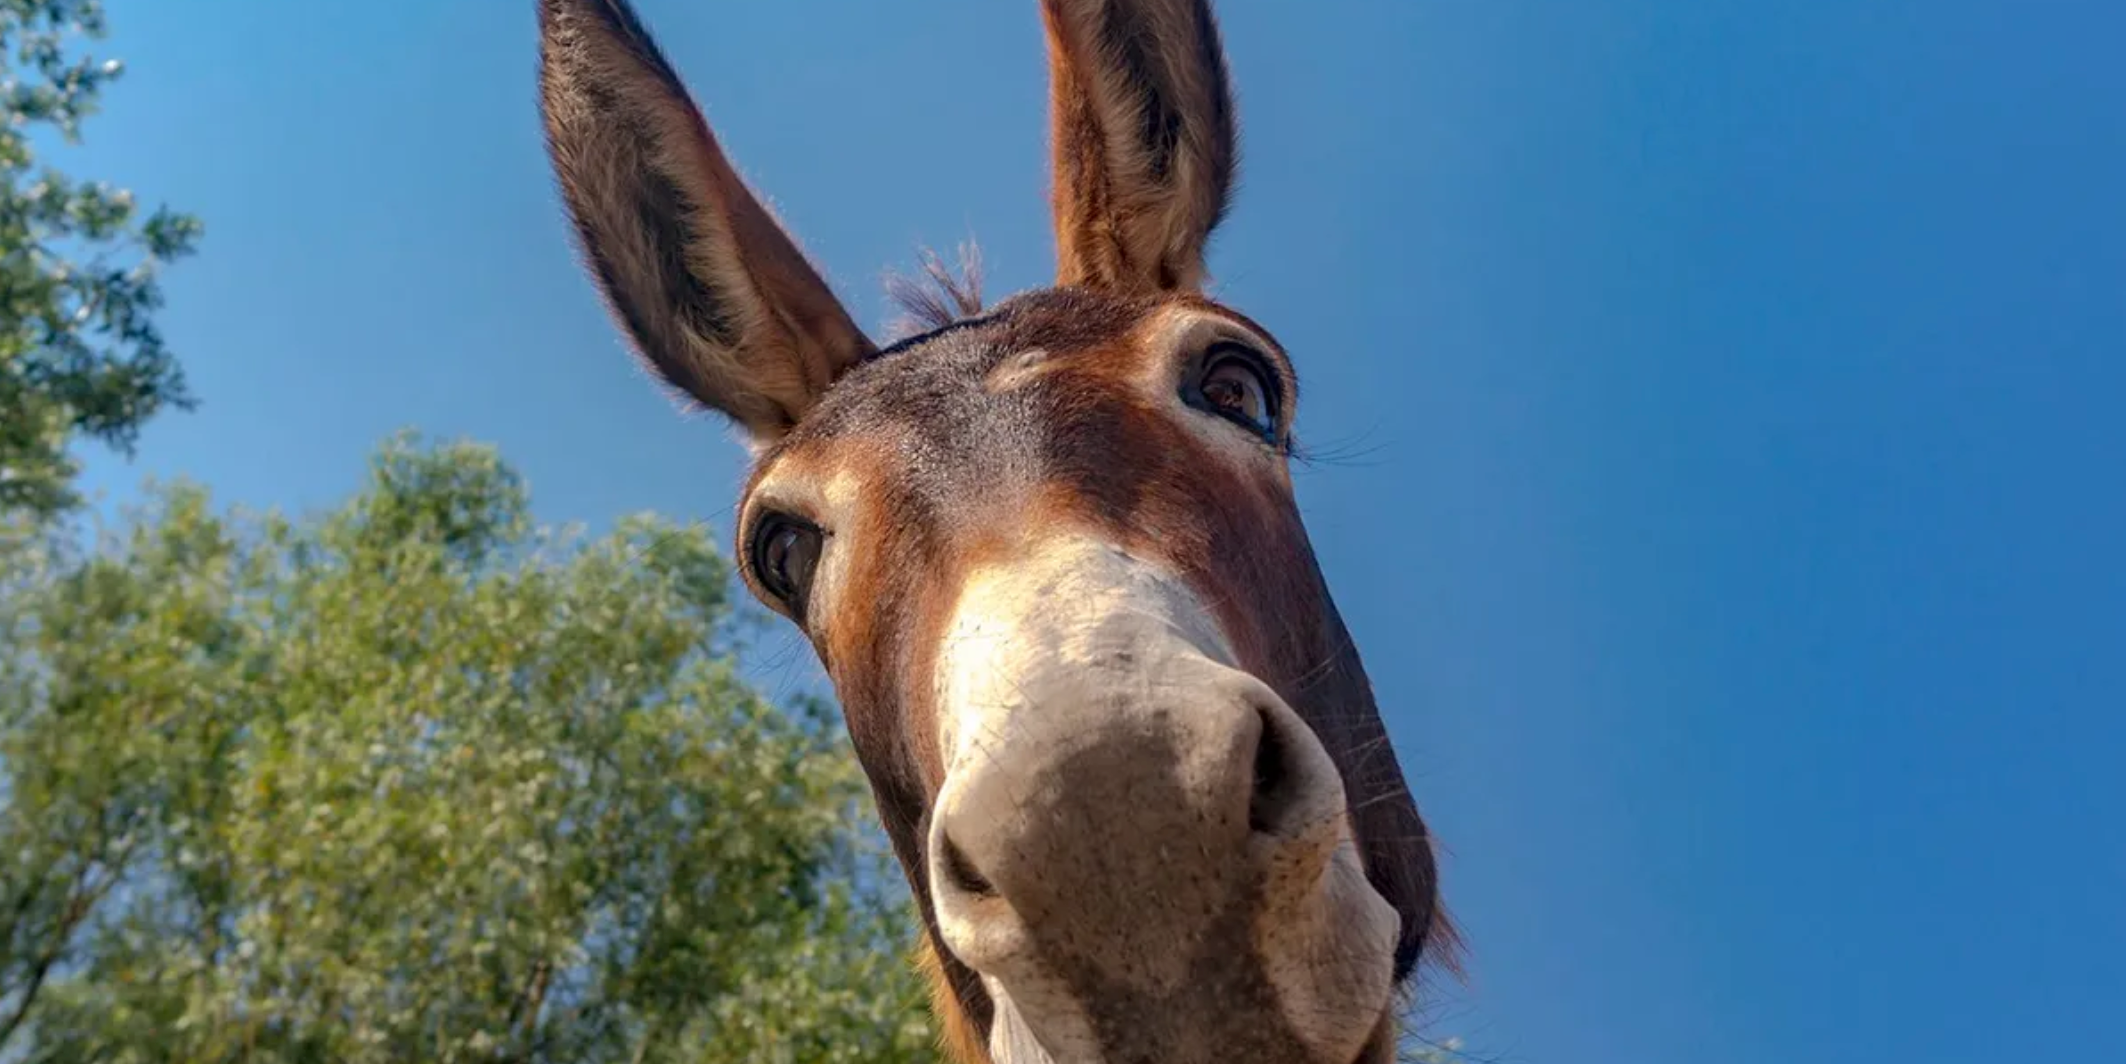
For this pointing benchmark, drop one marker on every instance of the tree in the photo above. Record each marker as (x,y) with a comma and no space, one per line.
(412,780)
(79,351)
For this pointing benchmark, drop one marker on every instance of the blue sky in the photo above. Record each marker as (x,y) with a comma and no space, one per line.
(1728,491)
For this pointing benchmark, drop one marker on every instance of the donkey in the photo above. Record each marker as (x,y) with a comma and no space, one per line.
(1049,556)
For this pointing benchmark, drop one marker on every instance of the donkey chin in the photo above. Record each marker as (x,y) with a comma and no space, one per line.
(1141,849)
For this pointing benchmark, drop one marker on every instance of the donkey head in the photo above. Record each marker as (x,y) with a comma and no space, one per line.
(1049,555)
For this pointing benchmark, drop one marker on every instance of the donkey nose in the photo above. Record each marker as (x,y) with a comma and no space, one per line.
(1123,811)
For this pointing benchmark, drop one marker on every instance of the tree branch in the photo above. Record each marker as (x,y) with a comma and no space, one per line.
(81,902)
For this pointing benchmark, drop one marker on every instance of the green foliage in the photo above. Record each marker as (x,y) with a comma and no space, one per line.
(79,351)
(412,780)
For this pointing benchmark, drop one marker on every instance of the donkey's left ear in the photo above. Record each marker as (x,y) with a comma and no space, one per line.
(1141,121)
(715,297)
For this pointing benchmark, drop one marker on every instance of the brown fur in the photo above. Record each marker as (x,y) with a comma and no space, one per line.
(929,521)
(715,296)
(958,1036)
(1141,126)
(995,427)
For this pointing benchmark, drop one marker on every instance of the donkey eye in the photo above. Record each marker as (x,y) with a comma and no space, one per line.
(1234,385)
(785,551)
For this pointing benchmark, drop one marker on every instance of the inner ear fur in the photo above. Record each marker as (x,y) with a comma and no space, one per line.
(1144,140)
(712,293)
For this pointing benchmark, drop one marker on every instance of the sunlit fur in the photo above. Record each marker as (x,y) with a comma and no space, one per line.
(1045,443)
(1141,121)
(717,299)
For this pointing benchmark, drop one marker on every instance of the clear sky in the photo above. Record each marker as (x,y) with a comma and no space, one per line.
(1727,490)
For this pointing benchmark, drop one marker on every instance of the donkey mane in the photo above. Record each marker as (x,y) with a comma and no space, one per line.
(938,296)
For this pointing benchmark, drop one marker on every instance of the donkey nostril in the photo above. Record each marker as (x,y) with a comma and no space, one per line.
(1271,797)
(961,871)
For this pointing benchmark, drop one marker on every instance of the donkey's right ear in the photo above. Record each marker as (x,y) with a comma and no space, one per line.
(712,292)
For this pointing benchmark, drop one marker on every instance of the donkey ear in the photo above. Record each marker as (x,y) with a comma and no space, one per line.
(715,297)
(1142,122)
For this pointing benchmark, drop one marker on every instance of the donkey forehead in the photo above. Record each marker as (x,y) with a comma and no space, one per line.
(941,380)
(1053,380)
